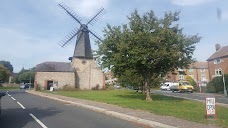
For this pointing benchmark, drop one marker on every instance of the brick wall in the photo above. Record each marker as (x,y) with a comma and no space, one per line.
(223,65)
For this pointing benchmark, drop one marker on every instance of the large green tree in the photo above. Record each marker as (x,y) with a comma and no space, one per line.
(7,65)
(4,74)
(147,45)
(25,76)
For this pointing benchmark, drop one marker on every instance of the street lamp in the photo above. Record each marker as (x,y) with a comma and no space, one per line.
(224,83)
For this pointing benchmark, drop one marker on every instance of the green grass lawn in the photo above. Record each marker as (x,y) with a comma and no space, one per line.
(8,88)
(161,105)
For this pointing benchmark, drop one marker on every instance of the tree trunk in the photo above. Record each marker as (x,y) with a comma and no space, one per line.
(143,88)
(147,86)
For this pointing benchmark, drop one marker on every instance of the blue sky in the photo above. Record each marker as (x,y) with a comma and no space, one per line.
(30,30)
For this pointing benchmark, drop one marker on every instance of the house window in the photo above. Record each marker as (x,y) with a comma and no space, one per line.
(190,70)
(181,77)
(203,78)
(218,72)
(202,70)
(217,61)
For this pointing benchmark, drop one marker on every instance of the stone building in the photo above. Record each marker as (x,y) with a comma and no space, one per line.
(82,72)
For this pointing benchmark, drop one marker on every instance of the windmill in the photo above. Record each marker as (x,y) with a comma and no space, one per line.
(82,46)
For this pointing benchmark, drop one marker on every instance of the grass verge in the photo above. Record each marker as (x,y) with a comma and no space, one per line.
(161,105)
(9,88)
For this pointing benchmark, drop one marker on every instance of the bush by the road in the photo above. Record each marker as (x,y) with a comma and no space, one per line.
(217,85)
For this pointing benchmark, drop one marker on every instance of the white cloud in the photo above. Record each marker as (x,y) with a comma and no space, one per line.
(85,8)
(26,50)
(191,2)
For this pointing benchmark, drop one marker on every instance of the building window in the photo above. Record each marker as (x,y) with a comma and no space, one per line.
(190,70)
(181,77)
(203,78)
(202,70)
(217,61)
(218,72)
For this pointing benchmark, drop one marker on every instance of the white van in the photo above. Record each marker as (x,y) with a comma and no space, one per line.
(167,85)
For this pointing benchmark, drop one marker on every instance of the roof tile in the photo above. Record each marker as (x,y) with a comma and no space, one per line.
(223,52)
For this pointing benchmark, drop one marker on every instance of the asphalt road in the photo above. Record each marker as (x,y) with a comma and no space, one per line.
(23,110)
(194,96)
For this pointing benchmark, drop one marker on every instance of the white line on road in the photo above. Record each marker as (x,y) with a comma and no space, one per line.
(21,105)
(13,98)
(38,121)
(8,93)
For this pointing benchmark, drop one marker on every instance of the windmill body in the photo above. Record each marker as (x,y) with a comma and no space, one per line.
(82,72)
(83,47)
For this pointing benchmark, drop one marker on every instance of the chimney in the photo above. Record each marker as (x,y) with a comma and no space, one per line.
(217,47)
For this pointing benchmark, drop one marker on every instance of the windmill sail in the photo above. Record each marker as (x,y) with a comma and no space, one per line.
(82,46)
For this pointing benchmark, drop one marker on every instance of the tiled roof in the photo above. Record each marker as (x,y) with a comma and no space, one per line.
(223,52)
(199,65)
(54,67)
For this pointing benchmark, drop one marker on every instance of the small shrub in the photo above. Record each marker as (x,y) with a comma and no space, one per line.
(37,87)
(211,88)
(204,89)
(96,87)
(109,87)
(68,88)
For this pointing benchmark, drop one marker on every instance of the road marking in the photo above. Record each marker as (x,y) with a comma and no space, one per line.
(21,105)
(13,98)
(38,121)
(8,93)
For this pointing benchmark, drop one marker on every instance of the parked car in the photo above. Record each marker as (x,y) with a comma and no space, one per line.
(167,85)
(24,86)
(183,86)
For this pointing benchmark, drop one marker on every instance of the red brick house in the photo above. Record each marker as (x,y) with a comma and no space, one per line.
(218,62)
(198,71)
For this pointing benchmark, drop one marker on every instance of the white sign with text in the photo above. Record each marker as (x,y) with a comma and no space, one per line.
(210,106)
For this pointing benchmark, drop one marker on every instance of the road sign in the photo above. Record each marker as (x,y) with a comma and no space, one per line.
(210,107)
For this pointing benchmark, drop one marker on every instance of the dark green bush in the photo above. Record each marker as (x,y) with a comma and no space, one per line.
(217,85)
(37,87)
(211,88)
(96,87)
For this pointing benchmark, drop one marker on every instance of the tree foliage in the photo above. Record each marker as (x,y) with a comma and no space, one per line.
(25,76)
(147,46)
(4,74)
(7,65)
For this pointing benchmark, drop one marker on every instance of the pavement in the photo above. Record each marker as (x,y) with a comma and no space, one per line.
(141,117)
